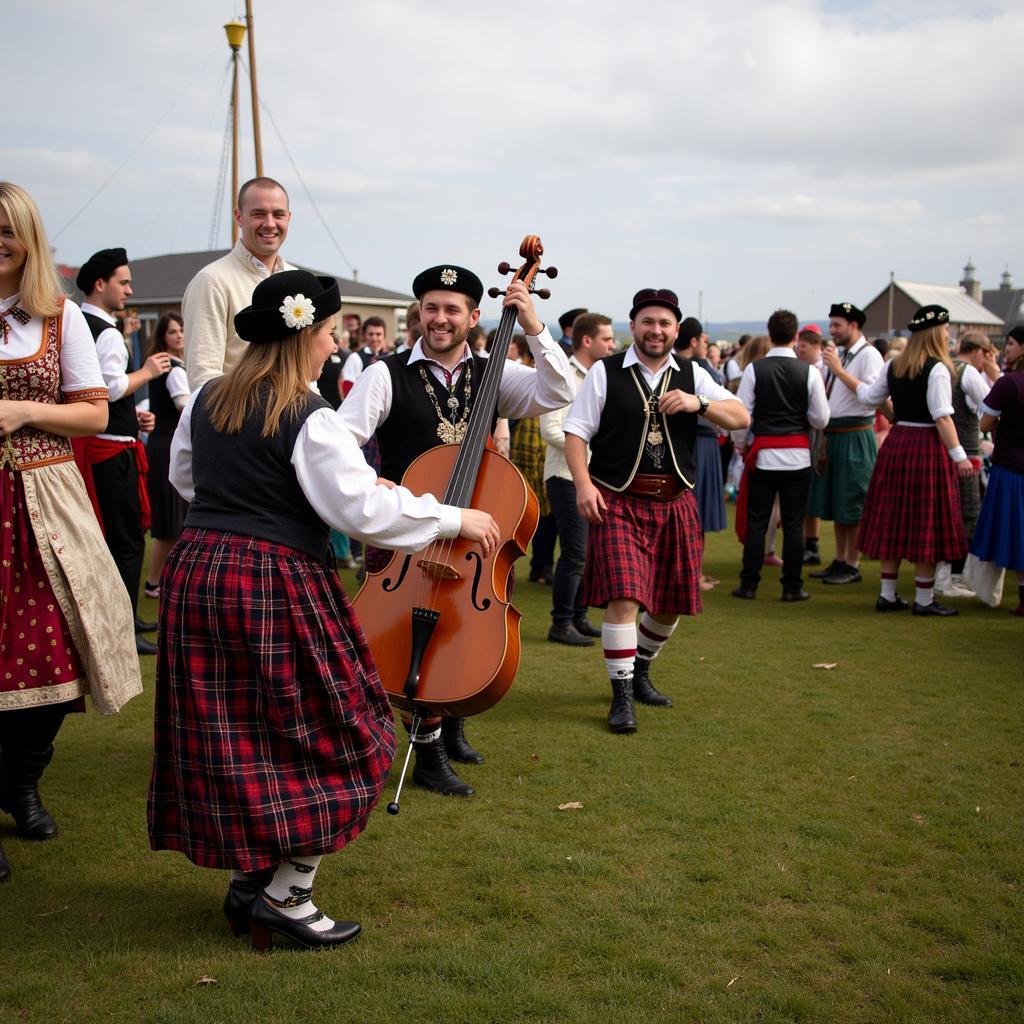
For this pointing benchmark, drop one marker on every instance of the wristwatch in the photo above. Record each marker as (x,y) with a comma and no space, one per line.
(704,403)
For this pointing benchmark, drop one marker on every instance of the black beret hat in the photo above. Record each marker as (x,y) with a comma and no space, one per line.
(655,297)
(928,316)
(99,265)
(565,321)
(848,311)
(1017,334)
(286,303)
(447,277)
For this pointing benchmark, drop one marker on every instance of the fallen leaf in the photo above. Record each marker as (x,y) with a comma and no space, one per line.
(852,778)
(574,805)
(205,980)
(977,810)
(733,982)
(919,818)
(700,659)
(826,665)
(50,913)
(535,757)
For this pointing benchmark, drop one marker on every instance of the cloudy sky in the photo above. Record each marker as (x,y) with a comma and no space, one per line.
(765,154)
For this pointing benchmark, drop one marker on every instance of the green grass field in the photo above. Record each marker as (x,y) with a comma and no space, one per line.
(786,844)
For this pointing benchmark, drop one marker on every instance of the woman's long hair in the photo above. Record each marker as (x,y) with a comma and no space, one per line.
(42,289)
(278,371)
(160,334)
(756,348)
(931,342)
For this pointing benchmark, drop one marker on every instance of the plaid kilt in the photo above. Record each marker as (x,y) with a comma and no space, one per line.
(648,551)
(970,500)
(273,733)
(912,509)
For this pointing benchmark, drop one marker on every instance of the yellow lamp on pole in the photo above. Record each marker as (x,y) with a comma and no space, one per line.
(235,31)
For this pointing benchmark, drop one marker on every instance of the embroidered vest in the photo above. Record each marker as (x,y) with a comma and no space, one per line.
(966,422)
(619,449)
(910,395)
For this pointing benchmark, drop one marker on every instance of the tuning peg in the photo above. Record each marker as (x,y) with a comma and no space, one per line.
(494,292)
(552,272)
(541,293)
(504,268)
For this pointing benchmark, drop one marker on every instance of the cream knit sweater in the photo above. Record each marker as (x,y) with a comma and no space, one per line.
(209,305)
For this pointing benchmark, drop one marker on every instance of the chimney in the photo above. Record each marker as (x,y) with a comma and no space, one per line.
(970,283)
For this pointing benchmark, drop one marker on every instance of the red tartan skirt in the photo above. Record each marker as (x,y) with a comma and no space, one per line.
(648,551)
(912,509)
(273,734)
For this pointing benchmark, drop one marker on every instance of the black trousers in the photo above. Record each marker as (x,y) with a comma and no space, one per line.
(30,730)
(117,491)
(566,603)
(792,486)
(544,544)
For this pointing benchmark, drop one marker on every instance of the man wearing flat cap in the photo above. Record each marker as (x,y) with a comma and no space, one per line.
(565,322)
(113,463)
(638,410)
(421,398)
(840,485)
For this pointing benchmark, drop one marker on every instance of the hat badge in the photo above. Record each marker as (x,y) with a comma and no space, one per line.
(297,311)
(930,315)
(847,306)
(449,276)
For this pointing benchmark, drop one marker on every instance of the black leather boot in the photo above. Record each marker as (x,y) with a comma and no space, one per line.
(20,796)
(432,770)
(643,688)
(239,899)
(453,732)
(5,868)
(620,715)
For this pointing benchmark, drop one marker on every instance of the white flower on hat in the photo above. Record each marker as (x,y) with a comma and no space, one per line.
(297,311)
(449,276)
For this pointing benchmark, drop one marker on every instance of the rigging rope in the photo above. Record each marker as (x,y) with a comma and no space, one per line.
(222,173)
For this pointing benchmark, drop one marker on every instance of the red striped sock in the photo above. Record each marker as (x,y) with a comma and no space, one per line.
(652,636)
(619,643)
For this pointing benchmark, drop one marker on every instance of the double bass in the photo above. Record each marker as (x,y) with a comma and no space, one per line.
(443,632)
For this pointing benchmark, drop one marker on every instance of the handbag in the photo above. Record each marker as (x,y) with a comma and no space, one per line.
(985,579)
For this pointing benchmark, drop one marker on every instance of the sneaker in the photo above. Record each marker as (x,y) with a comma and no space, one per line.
(812,558)
(772,559)
(847,574)
(570,636)
(831,569)
(954,589)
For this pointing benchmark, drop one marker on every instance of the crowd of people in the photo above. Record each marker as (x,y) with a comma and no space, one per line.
(273,733)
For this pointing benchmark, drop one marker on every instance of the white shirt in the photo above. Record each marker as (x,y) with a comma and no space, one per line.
(975,387)
(817,415)
(585,415)
(939,395)
(79,366)
(732,369)
(114,357)
(524,391)
(341,487)
(864,362)
(354,366)
(553,435)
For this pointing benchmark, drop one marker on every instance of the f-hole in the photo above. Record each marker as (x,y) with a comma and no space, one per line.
(387,586)
(478,568)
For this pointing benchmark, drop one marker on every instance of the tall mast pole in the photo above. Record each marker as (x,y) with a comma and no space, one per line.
(235,31)
(255,99)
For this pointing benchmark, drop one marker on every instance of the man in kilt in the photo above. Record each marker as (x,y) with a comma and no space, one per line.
(273,733)
(418,399)
(912,508)
(850,450)
(638,411)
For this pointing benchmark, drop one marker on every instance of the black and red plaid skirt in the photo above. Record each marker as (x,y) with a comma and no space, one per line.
(648,551)
(912,509)
(273,733)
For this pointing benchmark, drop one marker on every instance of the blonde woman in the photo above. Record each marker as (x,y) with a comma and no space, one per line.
(63,611)
(912,509)
(273,732)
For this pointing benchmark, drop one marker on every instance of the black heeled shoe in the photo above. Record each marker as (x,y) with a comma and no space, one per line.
(265,922)
(238,901)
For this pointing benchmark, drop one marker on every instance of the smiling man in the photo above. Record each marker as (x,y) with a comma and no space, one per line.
(639,411)
(418,399)
(224,287)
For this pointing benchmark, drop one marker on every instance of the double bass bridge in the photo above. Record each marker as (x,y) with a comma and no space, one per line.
(438,570)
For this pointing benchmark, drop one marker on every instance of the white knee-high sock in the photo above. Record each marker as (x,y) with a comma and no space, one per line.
(619,643)
(652,636)
(291,890)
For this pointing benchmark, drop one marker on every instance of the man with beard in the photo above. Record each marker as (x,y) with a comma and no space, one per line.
(224,287)
(639,410)
(421,398)
(850,449)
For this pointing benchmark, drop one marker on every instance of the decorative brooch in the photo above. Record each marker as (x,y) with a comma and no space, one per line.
(297,311)
(449,276)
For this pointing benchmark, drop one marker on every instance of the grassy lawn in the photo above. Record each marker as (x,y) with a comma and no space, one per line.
(786,844)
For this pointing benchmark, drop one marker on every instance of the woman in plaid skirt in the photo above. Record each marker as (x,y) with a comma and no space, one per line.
(273,736)
(912,509)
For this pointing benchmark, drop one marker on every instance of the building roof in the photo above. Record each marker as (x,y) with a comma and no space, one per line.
(962,308)
(163,279)
(1005,303)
